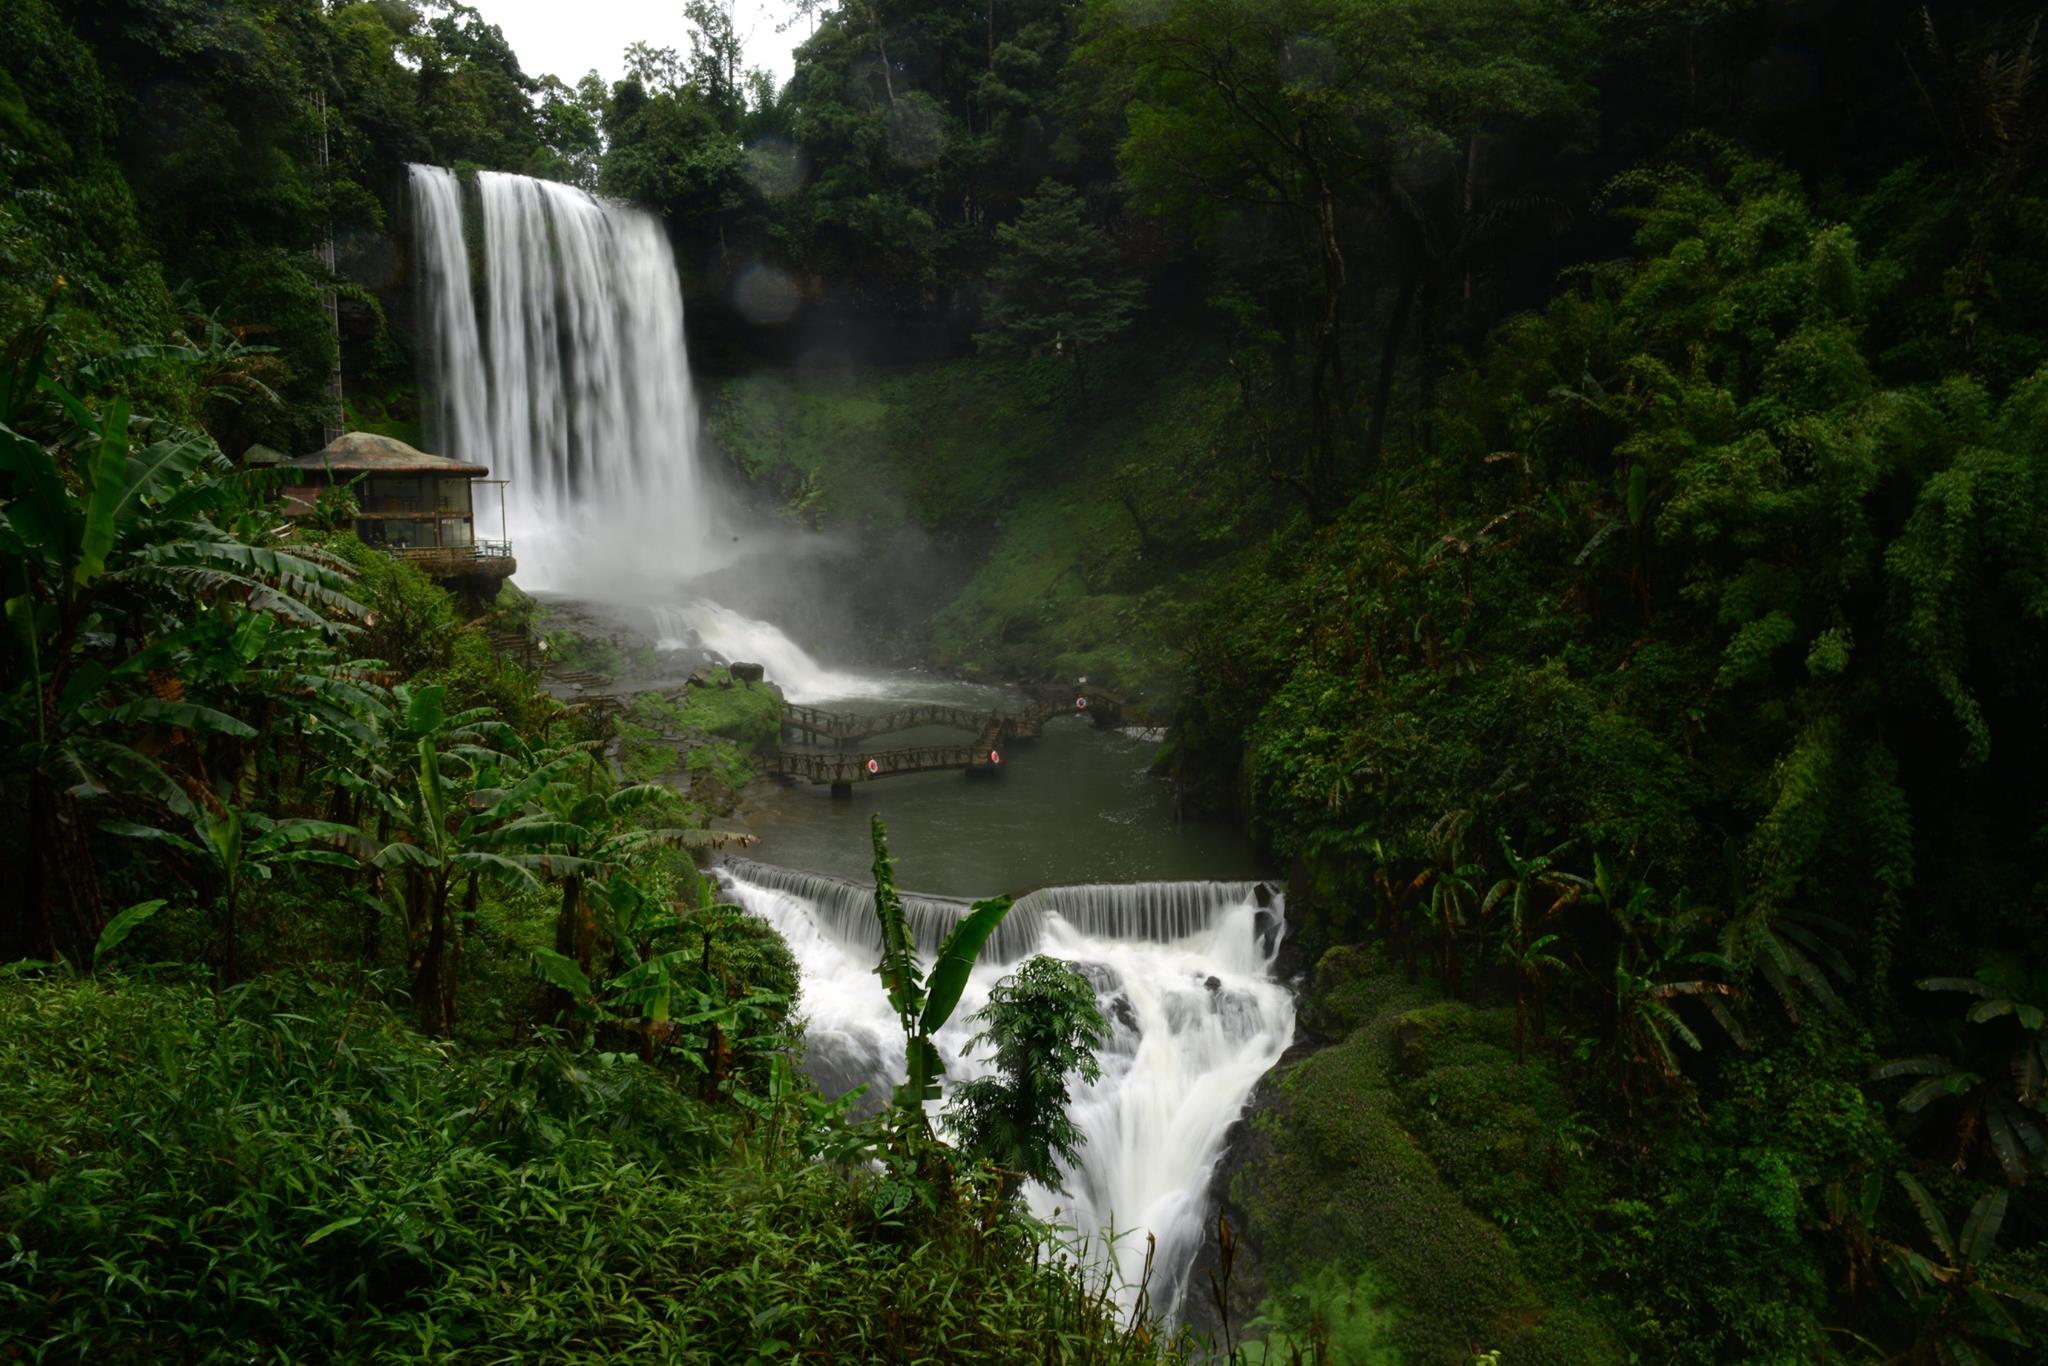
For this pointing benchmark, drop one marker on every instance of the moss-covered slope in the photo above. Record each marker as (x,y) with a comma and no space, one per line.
(1090,516)
(1363,1188)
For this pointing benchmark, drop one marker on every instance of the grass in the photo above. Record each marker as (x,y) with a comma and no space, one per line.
(709,731)
(284,1172)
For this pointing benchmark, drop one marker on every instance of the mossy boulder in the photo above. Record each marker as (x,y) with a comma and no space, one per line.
(702,738)
(1358,1231)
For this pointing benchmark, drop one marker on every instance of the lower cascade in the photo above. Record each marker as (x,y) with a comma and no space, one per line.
(1183,974)
(733,635)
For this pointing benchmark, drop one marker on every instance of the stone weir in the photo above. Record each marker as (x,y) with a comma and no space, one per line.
(1143,912)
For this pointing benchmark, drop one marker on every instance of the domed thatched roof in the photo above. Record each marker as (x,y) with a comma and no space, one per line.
(367,452)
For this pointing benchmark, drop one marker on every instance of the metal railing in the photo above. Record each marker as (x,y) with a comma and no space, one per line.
(455,559)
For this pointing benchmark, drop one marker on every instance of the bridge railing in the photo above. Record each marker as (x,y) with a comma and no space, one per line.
(844,726)
(1029,720)
(827,767)
(992,730)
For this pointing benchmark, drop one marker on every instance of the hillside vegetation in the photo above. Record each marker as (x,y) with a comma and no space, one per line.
(1572,475)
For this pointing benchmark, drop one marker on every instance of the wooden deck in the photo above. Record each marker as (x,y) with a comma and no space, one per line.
(485,559)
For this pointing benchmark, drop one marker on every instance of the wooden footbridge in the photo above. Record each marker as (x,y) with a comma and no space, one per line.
(841,768)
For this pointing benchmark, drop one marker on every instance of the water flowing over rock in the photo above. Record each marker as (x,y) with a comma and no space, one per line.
(1183,974)
(571,379)
(732,635)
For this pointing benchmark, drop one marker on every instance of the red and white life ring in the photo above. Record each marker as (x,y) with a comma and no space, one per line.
(874,766)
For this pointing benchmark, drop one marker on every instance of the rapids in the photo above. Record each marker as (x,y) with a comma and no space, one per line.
(734,635)
(1183,973)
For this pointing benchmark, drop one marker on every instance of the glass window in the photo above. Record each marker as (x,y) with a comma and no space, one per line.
(392,493)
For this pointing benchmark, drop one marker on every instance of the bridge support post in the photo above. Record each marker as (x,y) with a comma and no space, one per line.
(842,790)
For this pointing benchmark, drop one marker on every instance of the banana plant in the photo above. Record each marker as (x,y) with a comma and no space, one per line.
(1534,889)
(1957,1300)
(923,1006)
(564,809)
(1452,889)
(2004,1116)
(1793,951)
(427,834)
(108,539)
(242,846)
(672,999)
(1655,967)
(1530,960)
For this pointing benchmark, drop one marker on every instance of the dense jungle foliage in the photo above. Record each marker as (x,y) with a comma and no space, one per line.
(1573,474)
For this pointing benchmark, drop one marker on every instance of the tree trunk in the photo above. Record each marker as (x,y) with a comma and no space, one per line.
(882,51)
(230,948)
(70,912)
(569,940)
(1326,375)
(433,983)
(373,925)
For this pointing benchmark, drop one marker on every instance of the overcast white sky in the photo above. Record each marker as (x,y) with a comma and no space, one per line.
(569,37)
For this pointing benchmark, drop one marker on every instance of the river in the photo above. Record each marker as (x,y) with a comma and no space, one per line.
(1168,919)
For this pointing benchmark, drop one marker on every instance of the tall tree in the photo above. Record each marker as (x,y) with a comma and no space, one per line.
(715,58)
(1058,287)
(1355,131)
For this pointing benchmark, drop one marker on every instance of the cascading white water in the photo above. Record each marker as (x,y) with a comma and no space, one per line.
(1183,972)
(733,635)
(458,411)
(574,383)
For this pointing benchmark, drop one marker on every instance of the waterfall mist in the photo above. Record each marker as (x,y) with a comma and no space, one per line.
(1183,972)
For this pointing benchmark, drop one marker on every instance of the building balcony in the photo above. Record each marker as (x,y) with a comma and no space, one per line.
(484,559)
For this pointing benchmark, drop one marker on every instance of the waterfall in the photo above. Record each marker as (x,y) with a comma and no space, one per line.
(1183,973)
(733,635)
(453,345)
(572,381)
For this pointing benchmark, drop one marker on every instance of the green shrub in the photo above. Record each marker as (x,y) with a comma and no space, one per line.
(286,1173)
(417,624)
(476,675)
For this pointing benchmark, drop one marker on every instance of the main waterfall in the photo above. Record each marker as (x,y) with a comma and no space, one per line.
(1183,973)
(572,379)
